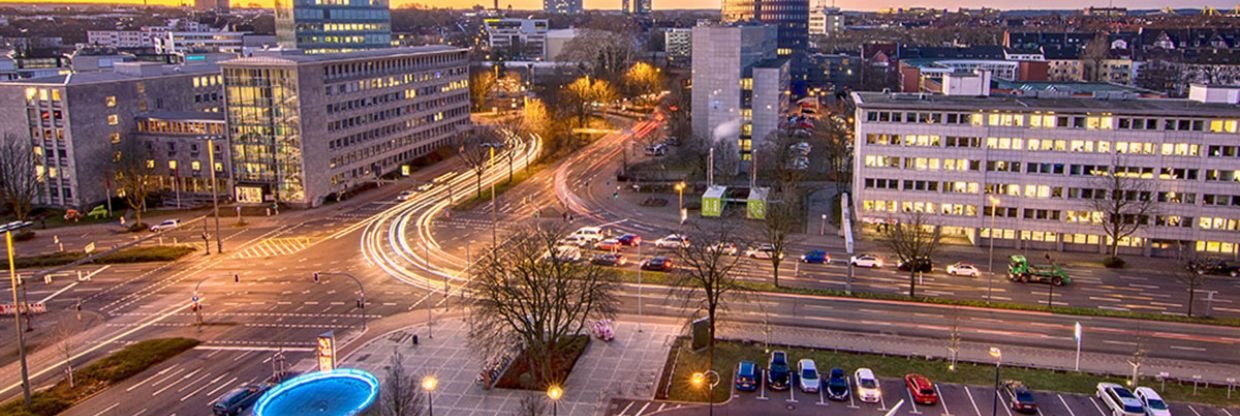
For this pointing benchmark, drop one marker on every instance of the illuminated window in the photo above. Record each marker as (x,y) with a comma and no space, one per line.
(746,84)
(195,165)
(150,164)
(113,120)
(172,165)
(55,95)
(110,101)
(114,137)
(31,93)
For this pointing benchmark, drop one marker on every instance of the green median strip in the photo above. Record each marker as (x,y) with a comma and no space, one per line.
(129,255)
(518,176)
(728,353)
(100,375)
(656,278)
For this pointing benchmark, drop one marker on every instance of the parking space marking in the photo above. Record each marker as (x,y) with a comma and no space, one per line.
(912,402)
(941,401)
(625,409)
(1190,407)
(642,410)
(792,394)
(1005,406)
(852,400)
(821,397)
(762,385)
(882,402)
(975,409)
(1225,411)
(1096,406)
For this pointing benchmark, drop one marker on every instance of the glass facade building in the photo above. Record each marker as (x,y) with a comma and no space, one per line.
(791,17)
(263,114)
(329,26)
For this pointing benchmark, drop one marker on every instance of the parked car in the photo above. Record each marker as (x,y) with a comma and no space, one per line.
(592,234)
(728,249)
(672,241)
(1154,404)
(564,253)
(1119,400)
(764,251)
(656,150)
(837,385)
(920,265)
(921,389)
(672,141)
(816,256)
(868,388)
(963,269)
(658,264)
(610,244)
(1019,397)
(166,225)
(807,376)
(405,195)
(236,401)
(746,376)
(777,374)
(1220,267)
(867,260)
(575,240)
(609,259)
(631,240)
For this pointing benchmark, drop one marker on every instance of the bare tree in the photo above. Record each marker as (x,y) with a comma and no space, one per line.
(707,274)
(19,180)
(953,340)
(533,404)
(1092,56)
(605,53)
(474,148)
(399,395)
(913,240)
(133,169)
(837,150)
(1127,204)
(527,295)
(64,331)
(783,216)
(1193,272)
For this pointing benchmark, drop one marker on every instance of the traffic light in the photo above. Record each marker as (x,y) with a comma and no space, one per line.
(316,277)
(361,303)
(236,277)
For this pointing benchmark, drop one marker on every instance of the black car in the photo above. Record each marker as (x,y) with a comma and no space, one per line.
(235,402)
(609,259)
(658,264)
(778,376)
(1217,267)
(837,385)
(1019,397)
(921,265)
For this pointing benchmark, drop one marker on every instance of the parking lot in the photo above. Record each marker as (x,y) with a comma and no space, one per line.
(954,400)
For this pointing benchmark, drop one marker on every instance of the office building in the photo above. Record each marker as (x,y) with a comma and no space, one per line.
(740,85)
(75,122)
(1031,166)
(642,7)
(333,26)
(306,127)
(557,40)
(178,143)
(517,39)
(826,21)
(790,16)
(562,6)
(678,43)
(180,43)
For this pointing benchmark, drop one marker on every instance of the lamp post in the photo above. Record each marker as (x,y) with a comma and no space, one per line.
(1077,332)
(429,383)
(998,356)
(21,337)
(680,195)
(822,230)
(710,378)
(215,199)
(554,393)
(990,268)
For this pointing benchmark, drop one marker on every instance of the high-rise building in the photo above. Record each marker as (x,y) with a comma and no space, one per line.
(305,127)
(1033,167)
(562,6)
(792,18)
(333,26)
(740,85)
(218,6)
(678,43)
(642,7)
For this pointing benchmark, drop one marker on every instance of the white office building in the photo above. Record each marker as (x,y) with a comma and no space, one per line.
(1032,166)
(825,21)
(517,39)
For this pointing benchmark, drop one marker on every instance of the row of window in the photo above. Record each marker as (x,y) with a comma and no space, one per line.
(1008,166)
(1049,145)
(1042,214)
(387,146)
(1104,121)
(385,67)
(382,115)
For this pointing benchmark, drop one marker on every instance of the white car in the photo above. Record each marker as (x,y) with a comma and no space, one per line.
(404,196)
(866,260)
(1119,400)
(672,241)
(166,225)
(724,248)
(765,251)
(564,253)
(807,376)
(962,269)
(868,388)
(593,234)
(576,240)
(1154,404)
(425,187)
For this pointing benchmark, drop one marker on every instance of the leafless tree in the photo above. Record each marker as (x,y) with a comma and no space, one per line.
(834,141)
(707,275)
(399,395)
(525,296)
(1092,56)
(64,331)
(783,216)
(953,339)
(1193,272)
(135,176)
(474,149)
(19,180)
(532,404)
(606,53)
(1128,203)
(914,239)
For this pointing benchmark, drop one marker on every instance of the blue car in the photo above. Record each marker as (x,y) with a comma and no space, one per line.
(747,376)
(817,257)
(837,385)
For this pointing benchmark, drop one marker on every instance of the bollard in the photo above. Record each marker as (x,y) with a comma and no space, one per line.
(61,247)
(268,212)
(47,279)
(415,339)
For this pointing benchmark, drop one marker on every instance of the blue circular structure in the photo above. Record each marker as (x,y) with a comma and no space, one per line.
(340,392)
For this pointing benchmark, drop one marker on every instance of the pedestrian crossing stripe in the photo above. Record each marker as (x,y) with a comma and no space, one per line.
(275,247)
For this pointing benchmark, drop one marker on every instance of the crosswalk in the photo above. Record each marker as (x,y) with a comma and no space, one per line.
(272,247)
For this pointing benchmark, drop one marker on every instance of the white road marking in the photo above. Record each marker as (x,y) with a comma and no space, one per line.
(159,374)
(643,409)
(975,409)
(1190,407)
(941,401)
(221,387)
(58,292)
(1096,406)
(625,409)
(108,409)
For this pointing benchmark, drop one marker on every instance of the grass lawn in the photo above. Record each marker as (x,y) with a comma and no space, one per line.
(561,367)
(727,354)
(99,375)
(129,255)
(518,176)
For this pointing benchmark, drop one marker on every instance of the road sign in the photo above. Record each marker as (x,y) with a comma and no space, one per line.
(90,248)
(194,299)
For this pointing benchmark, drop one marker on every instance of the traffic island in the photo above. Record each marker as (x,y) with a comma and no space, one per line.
(129,255)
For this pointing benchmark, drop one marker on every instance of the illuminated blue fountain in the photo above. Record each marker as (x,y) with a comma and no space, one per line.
(340,392)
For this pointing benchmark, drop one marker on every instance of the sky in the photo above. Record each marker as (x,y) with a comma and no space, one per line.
(714,4)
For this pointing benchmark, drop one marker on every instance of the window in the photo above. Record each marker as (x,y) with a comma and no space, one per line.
(172,165)
(110,101)
(150,164)
(114,137)
(195,165)
(113,120)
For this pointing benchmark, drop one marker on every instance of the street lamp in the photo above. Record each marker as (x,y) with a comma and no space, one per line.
(429,383)
(680,195)
(998,356)
(21,338)
(990,268)
(709,377)
(555,393)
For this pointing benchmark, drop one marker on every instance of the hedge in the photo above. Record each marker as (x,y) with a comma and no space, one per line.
(129,255)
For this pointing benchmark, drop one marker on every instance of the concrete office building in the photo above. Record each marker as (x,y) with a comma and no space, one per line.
(178,142)
(740,86)
(562,6)
(517,39)
(179,43)
(1032,165)
(790,16)
(678,43)
(304,127)
(75,122)
(333,26)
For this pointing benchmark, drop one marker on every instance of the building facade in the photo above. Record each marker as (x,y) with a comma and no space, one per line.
(563,6)
(517,39)
(740,85)
(304,127)
(179,144)
(178,43)
(1032,166)
(790,16)
(826,21)
(333,26)
(678,43)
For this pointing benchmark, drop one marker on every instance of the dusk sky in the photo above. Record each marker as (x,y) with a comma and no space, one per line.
(714,4)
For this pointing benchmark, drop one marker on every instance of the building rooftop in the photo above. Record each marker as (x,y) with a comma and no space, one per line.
(1145,106)
(295,56)
(1067,87)
(115,76)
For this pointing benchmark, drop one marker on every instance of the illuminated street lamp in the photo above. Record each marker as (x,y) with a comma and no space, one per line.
(680,195)
(998,356)
(711,378)
(555,393)
(429,383)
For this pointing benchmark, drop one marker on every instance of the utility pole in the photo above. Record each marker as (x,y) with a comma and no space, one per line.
(215,199)
(17,313)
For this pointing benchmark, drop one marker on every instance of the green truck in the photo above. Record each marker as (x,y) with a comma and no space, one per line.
(1019,270)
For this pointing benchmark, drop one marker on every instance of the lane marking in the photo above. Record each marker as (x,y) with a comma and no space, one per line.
(1065,405)
(975,409)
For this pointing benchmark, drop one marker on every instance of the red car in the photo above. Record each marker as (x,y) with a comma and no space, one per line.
(921,389)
